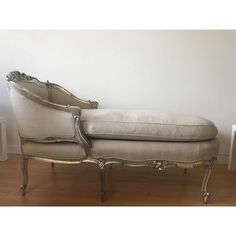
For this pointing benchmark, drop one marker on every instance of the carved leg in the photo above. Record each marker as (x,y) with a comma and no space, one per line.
(24,168)
(101,164)
(208,171)
(185,171)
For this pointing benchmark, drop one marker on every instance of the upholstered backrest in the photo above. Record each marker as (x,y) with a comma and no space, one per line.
(50,91)
(59,95)
(39,89)
(37,121)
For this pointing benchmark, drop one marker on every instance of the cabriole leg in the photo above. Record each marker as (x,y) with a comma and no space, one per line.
(207,176)
(24,168)
(101,164)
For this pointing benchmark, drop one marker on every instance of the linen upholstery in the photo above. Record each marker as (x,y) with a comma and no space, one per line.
(56,94)
(127,150)
(39,122)
(148,150)
(60,97)
(38,89)
(59,151)
(146,125)
(131,135)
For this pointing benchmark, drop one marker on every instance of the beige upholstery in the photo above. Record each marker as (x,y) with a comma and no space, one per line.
(39,122)
(132,135)
(60,150)
(38,89)
(56,94)
(60,97)
(145,125)
(127,150)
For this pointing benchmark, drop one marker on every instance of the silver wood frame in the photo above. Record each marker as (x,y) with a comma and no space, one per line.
(102,163)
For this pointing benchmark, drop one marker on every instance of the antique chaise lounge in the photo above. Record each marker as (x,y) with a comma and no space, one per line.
(57,127)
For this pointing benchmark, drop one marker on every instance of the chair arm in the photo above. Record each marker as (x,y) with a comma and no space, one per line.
(40,119)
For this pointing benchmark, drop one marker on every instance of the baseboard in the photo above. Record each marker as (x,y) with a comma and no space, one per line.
(221,158)
(13,149)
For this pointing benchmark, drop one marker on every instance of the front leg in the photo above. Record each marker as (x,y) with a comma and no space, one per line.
(208,171)
(101,164)
(24,168)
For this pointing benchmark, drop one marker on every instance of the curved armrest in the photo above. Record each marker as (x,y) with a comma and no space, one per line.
(32,96)
(40,119)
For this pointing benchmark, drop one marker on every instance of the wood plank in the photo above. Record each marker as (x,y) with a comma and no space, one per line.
(76,185)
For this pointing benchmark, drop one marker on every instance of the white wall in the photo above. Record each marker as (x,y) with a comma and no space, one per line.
(178,71)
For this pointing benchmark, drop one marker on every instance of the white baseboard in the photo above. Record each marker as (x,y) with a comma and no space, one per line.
(221,158)
(13,149)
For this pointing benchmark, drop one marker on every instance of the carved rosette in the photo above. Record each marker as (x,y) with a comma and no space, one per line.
(159,165)
(101,163)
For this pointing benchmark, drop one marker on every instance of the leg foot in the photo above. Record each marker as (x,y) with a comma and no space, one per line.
(24,168)
(23,190)
(205,197)
(102,196)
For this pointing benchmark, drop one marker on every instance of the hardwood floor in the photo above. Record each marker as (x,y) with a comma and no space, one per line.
(76,185)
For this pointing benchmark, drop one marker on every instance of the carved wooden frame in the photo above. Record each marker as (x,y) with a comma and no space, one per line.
(158,165)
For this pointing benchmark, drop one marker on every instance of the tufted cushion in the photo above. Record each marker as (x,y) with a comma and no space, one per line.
(146,125)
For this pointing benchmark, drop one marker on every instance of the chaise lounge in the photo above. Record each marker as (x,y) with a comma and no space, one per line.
(55,126)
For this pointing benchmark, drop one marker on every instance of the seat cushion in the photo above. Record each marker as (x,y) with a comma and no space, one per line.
(127,150)
(146,125)
(147,150)
(59,150)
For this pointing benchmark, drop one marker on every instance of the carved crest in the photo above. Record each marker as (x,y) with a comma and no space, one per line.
(17,76)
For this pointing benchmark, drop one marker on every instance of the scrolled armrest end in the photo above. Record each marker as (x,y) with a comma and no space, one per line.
(74,109)
(93,104)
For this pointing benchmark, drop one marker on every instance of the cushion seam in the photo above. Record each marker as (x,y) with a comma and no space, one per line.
(135,135)
(145,123)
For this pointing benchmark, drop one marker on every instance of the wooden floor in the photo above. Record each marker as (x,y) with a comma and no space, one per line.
(78,185)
